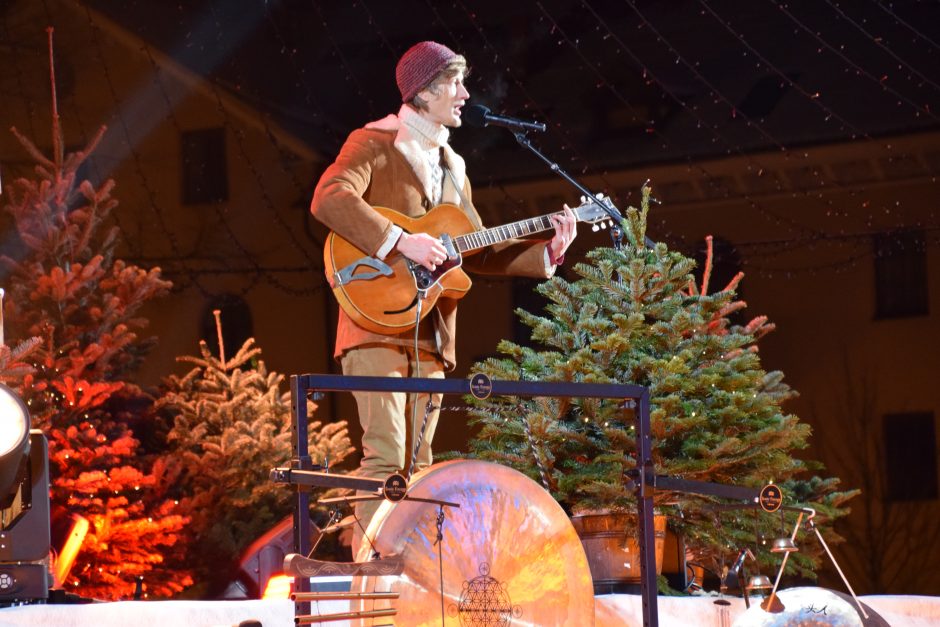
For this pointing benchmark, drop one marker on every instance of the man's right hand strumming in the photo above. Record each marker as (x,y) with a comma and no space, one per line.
(422,248)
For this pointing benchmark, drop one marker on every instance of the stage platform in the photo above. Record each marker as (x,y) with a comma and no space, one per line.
(618,610)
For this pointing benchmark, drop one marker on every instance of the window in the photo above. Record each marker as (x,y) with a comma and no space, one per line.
(900,274)
(910,447)
(205,174)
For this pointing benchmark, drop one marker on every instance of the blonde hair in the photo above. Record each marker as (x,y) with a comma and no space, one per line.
(456,65)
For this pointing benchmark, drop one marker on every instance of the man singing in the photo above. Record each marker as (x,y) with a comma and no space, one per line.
(404,162)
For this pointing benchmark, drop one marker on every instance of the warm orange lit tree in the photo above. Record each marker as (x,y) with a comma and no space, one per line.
(66,287)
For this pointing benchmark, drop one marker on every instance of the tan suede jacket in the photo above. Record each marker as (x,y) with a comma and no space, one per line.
(368,171)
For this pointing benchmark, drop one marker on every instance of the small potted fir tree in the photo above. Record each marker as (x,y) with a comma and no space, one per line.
(635,315)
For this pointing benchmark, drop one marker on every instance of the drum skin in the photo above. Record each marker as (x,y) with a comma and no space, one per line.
(509,554)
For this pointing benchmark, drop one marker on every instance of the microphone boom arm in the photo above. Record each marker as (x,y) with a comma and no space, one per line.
(616,231)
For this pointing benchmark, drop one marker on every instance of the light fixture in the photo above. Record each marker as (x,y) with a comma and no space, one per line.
(14,443)
(25,537)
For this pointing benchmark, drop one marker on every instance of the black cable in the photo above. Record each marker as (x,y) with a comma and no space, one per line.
(359,523)
(414,402)
(440,556)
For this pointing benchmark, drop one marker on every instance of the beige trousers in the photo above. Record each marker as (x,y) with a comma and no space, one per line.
(388,434)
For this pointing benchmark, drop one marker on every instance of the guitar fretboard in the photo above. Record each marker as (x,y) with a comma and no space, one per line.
(488,237)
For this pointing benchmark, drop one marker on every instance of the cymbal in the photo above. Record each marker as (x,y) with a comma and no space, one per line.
(508,554)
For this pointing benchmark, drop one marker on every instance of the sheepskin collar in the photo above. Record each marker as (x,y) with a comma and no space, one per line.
(415,135)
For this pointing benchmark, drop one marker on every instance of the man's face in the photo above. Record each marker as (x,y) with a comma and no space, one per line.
(445,105)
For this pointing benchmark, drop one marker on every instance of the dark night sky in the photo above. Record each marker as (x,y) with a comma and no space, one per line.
(625,82)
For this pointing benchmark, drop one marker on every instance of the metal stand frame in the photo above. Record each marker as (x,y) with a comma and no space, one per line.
(302,474)
(634,397)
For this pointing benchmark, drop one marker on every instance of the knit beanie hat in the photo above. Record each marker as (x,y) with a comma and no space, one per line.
(419,65)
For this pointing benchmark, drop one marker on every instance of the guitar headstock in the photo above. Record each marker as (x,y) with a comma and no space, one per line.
(593,213)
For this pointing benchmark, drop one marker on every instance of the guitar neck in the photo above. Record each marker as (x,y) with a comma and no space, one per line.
(497,234)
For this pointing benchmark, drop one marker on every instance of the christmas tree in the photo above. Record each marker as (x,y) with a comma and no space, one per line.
(231,426)
(14,361)
(636,316)
(67,288)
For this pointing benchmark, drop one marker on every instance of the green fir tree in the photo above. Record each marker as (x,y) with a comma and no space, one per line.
(231,426)
(635,315)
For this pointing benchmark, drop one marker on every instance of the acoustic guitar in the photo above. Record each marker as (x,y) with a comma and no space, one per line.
(383,295)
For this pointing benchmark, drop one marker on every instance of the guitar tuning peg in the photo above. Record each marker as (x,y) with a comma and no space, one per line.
(595,228)
(603,225)
(583,200)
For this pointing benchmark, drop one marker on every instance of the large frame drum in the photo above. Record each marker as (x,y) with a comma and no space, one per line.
(508,555)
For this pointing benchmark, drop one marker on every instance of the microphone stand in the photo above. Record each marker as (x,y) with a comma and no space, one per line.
(616,232)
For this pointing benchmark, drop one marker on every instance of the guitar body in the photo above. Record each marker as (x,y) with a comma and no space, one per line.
(381,295)
(387,304)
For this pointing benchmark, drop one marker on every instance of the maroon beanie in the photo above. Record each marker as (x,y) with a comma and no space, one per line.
(418,67)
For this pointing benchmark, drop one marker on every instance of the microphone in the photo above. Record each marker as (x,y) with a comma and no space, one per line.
(480,116)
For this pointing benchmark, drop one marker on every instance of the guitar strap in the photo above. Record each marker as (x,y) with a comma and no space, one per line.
(464,203)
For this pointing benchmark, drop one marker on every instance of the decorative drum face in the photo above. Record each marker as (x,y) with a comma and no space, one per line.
(507,556)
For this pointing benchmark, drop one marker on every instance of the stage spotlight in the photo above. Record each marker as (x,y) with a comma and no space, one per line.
(14,442)
(25,538)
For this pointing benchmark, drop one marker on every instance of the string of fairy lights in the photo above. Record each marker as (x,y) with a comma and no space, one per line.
(902,63)
(859,70)
(137,160)
(466,28)
(888,9)
(712,180)
(807,236)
